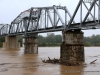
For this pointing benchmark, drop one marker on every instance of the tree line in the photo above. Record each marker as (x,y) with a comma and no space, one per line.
(93,40)
(50,40)
(55,40)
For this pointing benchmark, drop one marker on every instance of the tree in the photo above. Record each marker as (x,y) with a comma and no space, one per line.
(50,38)
(58,38)
(87,44)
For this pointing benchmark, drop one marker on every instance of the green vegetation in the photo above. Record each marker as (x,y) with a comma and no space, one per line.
(94,40)
(55,40)
(50,40)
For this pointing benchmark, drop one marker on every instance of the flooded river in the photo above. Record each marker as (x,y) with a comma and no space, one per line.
(15,62)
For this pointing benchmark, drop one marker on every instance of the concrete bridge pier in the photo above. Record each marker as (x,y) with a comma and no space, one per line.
(72,47)
(30,45)
(11,43)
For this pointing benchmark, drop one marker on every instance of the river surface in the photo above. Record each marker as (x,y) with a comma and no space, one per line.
(15,62)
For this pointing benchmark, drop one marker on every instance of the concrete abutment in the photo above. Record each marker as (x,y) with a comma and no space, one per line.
(72,47)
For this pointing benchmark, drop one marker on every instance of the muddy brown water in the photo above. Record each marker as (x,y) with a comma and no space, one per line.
(15,62)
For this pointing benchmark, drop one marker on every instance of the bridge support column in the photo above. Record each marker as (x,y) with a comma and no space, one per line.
(11,43)
(72,48)
(31,45)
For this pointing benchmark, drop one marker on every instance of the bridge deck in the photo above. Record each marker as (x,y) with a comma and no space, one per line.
(82,26)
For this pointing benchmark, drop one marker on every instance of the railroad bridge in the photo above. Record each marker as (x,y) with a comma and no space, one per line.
(55,18)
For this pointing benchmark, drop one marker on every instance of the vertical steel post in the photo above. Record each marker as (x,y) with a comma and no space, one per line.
(45,19)
(81,15)
(99,12)
(55,18)
(17,28)
(65,17)
(94,12)
(25,25)
(37,22)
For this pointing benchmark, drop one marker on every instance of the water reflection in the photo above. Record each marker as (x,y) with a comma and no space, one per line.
(30,64)
(71,70)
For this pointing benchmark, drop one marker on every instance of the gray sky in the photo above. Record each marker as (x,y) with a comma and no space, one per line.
(10,9)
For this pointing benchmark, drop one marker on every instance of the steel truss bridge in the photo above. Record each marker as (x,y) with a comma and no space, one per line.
(56,18)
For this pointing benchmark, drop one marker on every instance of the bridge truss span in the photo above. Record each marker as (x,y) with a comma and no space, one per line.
(38,20)
(54,18)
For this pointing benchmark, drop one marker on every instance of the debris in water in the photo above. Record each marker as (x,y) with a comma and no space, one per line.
(51,60)
(43,60)
(93,62)
(57,61)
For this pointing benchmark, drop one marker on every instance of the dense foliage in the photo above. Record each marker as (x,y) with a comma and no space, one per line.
(94,40)
(55,40)
(50,40)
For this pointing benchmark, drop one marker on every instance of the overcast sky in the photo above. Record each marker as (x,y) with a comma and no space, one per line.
(10,9)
